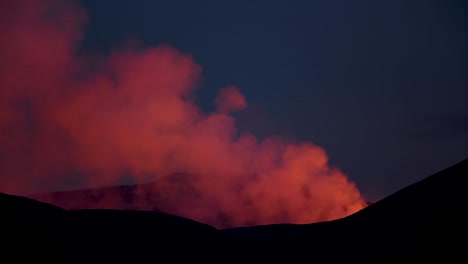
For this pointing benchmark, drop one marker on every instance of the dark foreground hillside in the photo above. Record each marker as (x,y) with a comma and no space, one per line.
(424,220)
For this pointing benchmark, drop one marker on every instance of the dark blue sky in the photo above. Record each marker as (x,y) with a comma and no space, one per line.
(381,85)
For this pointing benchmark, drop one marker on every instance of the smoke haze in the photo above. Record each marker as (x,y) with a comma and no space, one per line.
(69,120)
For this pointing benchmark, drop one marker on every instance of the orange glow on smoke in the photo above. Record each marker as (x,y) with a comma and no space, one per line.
(69,121)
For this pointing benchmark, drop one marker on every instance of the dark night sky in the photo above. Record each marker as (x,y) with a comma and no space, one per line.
(381,85)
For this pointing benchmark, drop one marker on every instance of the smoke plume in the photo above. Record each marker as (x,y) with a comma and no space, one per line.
(69,120)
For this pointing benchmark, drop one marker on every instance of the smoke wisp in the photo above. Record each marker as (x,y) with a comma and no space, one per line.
(67,121)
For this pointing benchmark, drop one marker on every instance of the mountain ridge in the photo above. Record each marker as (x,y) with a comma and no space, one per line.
(423,220)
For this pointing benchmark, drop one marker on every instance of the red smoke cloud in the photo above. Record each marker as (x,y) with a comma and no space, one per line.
(71,122)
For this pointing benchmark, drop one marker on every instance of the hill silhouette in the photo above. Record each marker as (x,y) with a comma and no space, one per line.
(52,233)
(425,220)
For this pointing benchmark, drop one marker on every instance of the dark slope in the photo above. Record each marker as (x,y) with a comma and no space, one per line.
(29,227)
(426,219)
(140,233)
(54,234)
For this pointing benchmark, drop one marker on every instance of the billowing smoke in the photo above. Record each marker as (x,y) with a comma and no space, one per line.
(71,120)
